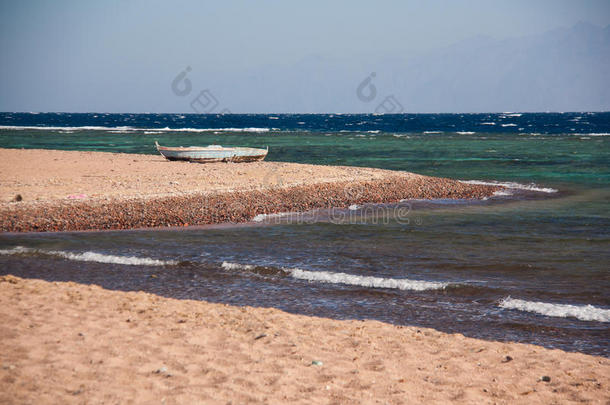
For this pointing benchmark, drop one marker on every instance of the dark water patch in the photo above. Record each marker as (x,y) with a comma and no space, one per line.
(471,310)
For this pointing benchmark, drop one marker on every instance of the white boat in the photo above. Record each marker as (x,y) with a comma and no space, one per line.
(211,153)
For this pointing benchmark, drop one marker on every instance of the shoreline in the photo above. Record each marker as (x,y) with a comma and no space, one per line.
(82,343)
(75,191)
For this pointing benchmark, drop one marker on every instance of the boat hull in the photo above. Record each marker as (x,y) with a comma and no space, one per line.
(236,159)
(212,154)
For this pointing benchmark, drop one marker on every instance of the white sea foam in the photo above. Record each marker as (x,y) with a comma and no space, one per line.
(250,129)
(16,250)
(365,281)
(167,129)
(103,258)
(501,193)
(512,185)
(433,132)
(513,115)
(488,123)
(262,217)
(132,129)
(85,128)
(349,279)
(236,266)
(582,312)
(91,257)
(509,125)
(466,132)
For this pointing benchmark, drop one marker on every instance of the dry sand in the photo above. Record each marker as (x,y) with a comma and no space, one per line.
(71,343)
(44,175)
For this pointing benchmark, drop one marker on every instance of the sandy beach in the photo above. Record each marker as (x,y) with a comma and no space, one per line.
(71,343)
(77,343)
(48,190)
(50,175)
(315,202)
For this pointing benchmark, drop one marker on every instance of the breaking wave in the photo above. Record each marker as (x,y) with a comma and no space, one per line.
(127,129)
(582,312)
(366,281)
(512,185)
(264,217)
(348,279)
(237,266)
(502,193)
(91,257)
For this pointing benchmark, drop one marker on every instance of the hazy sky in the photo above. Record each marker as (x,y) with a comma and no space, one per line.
(122,55)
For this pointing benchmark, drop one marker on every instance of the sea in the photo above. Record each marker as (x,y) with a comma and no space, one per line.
(529,264)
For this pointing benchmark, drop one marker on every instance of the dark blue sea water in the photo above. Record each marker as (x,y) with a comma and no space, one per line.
(530,266)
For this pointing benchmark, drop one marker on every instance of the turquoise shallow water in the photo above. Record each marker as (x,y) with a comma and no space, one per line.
(531,267)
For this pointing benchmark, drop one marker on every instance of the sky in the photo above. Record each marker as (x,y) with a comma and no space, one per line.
(121,56)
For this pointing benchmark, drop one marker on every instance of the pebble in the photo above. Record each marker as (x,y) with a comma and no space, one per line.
(545,378)
(317,363)
(227,207)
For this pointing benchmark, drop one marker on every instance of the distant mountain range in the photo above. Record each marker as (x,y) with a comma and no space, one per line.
(566,69)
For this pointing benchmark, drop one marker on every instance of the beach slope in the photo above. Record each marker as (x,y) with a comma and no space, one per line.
(70,343)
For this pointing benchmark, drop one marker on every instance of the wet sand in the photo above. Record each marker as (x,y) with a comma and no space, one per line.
(70,343)
(48,190)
